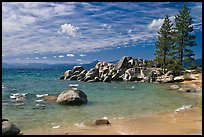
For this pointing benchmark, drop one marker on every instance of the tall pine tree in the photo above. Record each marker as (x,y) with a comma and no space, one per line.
(164,43)
(183,39)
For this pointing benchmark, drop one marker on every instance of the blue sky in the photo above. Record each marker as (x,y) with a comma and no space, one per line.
(69,32)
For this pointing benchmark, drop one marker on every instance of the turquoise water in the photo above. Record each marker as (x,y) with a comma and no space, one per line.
(113,100)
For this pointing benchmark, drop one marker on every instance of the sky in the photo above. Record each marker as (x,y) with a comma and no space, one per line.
(82,32)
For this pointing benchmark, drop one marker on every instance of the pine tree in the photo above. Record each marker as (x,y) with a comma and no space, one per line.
(164,43)
(183,39)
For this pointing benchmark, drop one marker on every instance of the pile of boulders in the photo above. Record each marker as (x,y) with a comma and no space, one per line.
(126,69)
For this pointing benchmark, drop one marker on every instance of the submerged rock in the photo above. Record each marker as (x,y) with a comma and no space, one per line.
(102,121)
(50,98)
(185,89)
(174,87)
(183,108)
(72,97)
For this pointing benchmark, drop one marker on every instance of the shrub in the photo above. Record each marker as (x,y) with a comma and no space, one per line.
(198,70)
(187,76)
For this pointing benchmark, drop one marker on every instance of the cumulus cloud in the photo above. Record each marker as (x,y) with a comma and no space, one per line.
(157,23)
(61,56)
(36,57)
(82,55)
(39,23)
(27,58)
(68,29)
(44,57)
(70,55)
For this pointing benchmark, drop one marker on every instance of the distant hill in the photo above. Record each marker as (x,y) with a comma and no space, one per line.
(198,62)
(88,66)
(52,66)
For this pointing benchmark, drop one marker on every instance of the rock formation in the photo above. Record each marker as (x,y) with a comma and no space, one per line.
(126,69)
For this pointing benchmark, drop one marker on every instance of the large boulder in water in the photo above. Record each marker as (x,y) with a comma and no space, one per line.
(8,128)
(72,97)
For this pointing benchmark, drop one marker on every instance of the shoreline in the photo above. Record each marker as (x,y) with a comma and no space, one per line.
(171,123)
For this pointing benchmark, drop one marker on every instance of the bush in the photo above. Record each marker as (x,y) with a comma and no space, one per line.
(187,76)
(198,70)
(192,66)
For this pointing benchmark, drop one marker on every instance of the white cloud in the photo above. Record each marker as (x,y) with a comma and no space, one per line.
(27,58)
(156,24)
(70,55)
(130,31)
(68,29)
(82,55)
(61,56)
(44,57)
(36,57)
(105,26)
(39,22)
(12,20)
(79,60)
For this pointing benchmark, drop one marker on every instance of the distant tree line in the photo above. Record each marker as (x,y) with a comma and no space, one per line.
(174,42)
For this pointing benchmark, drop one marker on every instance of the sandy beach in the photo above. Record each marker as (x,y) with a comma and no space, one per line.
(181,123)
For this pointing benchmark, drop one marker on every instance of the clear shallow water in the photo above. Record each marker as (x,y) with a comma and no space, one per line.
(113,100)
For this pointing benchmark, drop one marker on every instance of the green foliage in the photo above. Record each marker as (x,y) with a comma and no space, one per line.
(151,63)
(198,70)
(173,64)
(187,76)
(192,66)
(164,42)
(173,44)
(183,39)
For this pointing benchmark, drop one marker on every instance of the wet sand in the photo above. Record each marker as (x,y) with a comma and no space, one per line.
(181,123)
